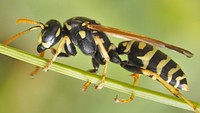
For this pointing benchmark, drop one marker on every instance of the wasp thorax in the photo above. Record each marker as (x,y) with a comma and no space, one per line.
(50,35)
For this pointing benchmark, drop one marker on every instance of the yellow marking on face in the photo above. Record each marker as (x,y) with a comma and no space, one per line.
(142,45)
(40,38)
(47,44)
(128,46)
(68,26)
(146,58)
(58,32)
(172,71)
(161,64)
(82,33)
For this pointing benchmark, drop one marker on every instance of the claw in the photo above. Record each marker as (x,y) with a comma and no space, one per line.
(117,100)
(98,87)
(94,71)
(86,85)
(45,69)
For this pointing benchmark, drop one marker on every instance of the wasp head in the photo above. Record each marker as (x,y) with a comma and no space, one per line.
(50,35)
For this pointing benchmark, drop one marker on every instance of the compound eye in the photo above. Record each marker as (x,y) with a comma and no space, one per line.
(40,38)
(51,34)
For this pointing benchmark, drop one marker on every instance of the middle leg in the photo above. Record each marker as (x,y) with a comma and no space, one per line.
(99,42)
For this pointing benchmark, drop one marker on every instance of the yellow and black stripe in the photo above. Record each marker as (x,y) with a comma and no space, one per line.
(144,56)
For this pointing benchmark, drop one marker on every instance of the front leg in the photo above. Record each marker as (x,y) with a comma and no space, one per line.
(58,51)
(62,54)
(69,47)
(41,54)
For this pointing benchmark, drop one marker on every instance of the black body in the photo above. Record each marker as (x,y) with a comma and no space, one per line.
(79,35)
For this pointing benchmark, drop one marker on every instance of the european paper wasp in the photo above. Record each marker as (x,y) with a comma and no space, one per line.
(90,37)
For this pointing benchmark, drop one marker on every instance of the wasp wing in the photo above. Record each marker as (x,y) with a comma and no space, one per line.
(132,36)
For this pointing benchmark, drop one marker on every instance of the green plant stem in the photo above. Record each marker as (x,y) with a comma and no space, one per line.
(109,83)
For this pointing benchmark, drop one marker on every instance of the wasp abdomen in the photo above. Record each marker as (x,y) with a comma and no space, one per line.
(145,56)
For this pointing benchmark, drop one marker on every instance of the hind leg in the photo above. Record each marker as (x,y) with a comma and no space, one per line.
(170,88)
(136,76)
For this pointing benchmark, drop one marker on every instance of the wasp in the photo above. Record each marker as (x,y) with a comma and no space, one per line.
(90,37)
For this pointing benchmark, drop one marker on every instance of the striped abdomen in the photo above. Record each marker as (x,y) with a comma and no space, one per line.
(146,56)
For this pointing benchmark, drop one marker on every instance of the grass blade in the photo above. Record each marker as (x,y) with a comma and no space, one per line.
(84,75)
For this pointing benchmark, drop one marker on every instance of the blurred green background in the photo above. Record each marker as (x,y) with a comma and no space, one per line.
(173,21)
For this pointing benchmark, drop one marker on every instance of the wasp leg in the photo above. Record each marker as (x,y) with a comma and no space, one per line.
(95,66)
(104,53)
(86,85)
(41,54)
(170,88)
(100,85)
(95,70)
(61,54)
(117,100)
(173,90)
(58,51)
(135,77)
(131,68)
(69,49)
